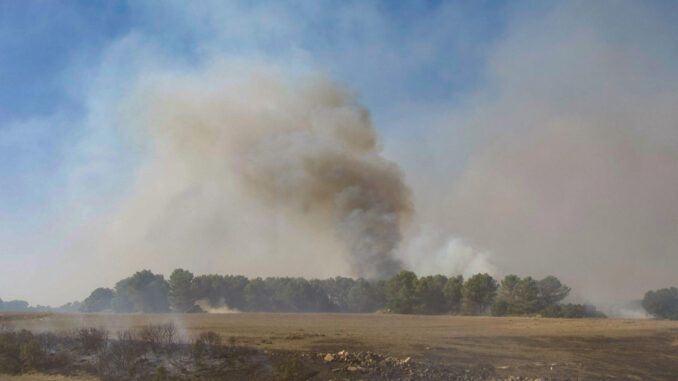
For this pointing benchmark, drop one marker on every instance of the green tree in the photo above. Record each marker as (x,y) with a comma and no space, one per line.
(500,308)
(337,289)
(233,291)
(181,296)
(662,303)
(401,293)
(210,288)
(257,296)
(99,300)
(478,294)
(296,295)
(15,305)
(431,295)
(363,297)
(142,292)
(453,293)
(551,291)
(517,296)
(507,287)
(525,297)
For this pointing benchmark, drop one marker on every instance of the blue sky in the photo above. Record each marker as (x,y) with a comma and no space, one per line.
(42,40)
(442,79)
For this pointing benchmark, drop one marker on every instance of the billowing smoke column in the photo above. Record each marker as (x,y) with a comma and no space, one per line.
(331,162)
(337,169)
(303,149)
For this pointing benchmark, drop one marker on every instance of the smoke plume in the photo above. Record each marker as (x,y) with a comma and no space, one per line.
(256,162)
(572,151)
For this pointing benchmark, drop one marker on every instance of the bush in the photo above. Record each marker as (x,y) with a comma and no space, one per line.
(210,338)
(572,311)
(160,374)
(157,336)
(198,350)
(20,352)
(59,360)
(151,335)
(92,339)
(10,359)
(119,361)
(169,333)
(31,355)
(553,311)
(291,370)
(48,341)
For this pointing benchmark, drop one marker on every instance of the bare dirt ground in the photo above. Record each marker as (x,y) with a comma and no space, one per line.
(550,349)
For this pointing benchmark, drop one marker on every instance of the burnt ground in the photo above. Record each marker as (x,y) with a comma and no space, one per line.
(438,347)
(140,357)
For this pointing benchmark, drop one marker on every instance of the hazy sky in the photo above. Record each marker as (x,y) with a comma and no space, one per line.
(536,138)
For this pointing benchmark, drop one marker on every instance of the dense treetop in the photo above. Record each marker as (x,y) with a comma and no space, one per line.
(662,303)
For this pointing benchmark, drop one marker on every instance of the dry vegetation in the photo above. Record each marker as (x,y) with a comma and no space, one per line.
(529,347)
(45,377)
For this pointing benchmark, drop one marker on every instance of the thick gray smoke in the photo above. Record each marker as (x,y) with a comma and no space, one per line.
(253,163)
(330,162)
(572,164)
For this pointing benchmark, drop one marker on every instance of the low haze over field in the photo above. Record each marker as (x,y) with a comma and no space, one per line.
(335,138)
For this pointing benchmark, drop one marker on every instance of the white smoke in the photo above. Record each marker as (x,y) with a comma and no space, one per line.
(221,308)
(430,251)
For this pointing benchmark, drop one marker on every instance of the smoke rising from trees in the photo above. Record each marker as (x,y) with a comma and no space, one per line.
(238,156)
(572,150)
(559,153)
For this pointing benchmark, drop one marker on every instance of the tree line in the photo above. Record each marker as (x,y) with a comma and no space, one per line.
(23,306)
(662,303)
(404,293)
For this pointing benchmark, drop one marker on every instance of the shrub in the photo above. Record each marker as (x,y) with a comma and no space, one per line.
(553,311)
(19,352)
(10,360)
(31,355)
(59,360)
(151,335)
(210,338)
(118,362)
(571,311)
(160,374)
(154,337)
(292,369)
(92,339)
(48,342)
(198,350)
(169,333)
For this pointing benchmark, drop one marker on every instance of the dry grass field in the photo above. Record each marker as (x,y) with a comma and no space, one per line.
(44,377)
(584,349)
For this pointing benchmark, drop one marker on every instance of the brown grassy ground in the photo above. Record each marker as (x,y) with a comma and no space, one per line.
(550,348)
(44,377)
